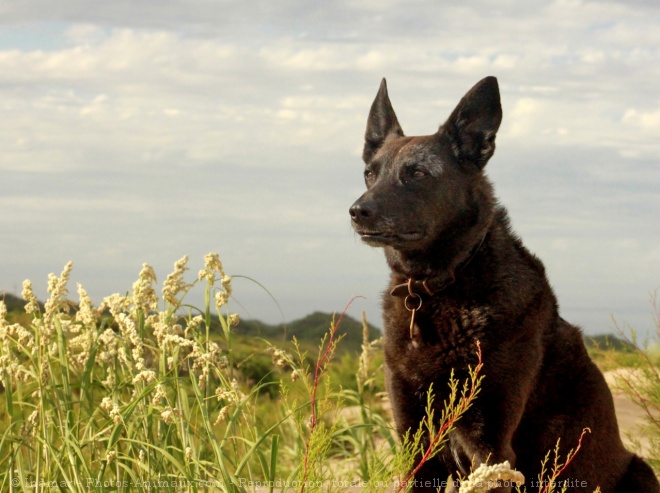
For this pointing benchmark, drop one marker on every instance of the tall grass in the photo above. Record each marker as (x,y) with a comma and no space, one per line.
(144,393)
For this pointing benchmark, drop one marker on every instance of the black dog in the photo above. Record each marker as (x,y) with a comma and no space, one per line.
(451,249)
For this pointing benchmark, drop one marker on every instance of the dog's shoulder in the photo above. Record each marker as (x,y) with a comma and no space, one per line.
(509,275)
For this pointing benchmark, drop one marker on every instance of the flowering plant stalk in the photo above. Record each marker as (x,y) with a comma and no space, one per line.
(123,393)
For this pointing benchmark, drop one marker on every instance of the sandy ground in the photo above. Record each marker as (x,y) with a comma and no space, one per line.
(628,414)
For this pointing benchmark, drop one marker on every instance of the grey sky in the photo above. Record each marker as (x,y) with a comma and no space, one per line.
(140,132)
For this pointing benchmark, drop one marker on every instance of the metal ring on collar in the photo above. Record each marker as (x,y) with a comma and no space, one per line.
(409,297)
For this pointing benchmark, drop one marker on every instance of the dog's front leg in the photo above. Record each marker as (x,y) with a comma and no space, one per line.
(433,476)
(484,453)
(408,410)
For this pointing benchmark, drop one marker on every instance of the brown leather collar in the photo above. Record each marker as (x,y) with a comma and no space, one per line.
(416,288)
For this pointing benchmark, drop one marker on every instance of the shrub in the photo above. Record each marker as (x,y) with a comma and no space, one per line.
(641,383)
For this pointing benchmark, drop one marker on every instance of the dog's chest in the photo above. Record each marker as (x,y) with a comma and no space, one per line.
(443,337)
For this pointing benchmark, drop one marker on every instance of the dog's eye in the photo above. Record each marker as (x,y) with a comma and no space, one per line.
(368,174)
(418,173)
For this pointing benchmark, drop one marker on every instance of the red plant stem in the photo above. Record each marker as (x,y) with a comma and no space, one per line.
(318,373)
(569,459)
(463,403)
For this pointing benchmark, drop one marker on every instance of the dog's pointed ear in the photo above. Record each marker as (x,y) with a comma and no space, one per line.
(475,121)
(381,124)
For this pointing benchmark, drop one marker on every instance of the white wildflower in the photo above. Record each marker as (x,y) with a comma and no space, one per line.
(162,328)
(362,375)
(233,319)
(486,477)
(45,376)
(192,325)
(280,357)
(9,366)
(58,292)
(151,319)
(189,452)
(129,330)
(67,326)
(169,414)
(85,314)
(32,424)
(212,265)
(108,347)
(56,303)
(116,303)
(34,419)
(32,305)
(221,298)
(296,374)
(229,395)
(109,380)
(222,415)
(112,409)
(160,395)
(21,338)
(174,284)
(226,283)
(145,376)
(194,322)
(144,295)
(141,455)
(79,348)
(204,360)
(106,404)
(111,456)
(168,338)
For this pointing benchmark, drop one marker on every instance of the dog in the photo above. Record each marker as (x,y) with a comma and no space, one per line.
(459,275)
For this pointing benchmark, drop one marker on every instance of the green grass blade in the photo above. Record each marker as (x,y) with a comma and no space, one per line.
(274,445)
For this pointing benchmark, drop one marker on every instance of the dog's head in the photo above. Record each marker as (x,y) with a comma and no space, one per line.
(420,187)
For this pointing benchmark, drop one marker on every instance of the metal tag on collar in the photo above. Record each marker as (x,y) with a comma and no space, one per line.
(407,302)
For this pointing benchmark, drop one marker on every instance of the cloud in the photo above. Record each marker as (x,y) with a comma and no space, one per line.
(139,132)
(648,121)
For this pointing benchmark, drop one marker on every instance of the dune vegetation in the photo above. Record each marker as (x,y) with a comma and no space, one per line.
(152,392)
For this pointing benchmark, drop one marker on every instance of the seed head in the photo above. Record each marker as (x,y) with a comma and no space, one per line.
(58,292)
(85,313)
(212,265)
(169,414)
(32,305)
(485,477)
(144,294)
(174,284)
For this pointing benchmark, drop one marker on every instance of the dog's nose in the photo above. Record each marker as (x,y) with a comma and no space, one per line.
(362,210)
